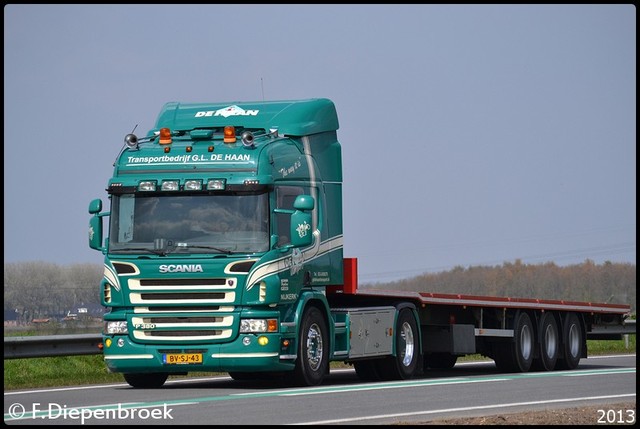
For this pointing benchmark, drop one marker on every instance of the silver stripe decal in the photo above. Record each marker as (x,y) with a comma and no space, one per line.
(276,266)
(111,276)
(306,144)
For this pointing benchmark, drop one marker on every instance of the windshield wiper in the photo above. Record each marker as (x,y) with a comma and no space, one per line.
(194,246)
(160,252)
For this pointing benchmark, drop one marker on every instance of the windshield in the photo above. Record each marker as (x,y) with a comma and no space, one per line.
(197,223)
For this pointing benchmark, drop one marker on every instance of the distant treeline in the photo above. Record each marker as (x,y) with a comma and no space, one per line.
(38,289)
(607,283)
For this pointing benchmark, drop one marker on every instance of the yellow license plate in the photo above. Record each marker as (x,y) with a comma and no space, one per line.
(180,358)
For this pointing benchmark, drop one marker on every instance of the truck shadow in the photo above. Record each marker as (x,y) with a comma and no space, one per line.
(341,376)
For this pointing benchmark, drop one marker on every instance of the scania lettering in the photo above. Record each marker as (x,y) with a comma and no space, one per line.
(180,268)
(223,252)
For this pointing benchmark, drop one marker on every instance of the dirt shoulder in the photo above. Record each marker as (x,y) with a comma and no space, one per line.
(623,413)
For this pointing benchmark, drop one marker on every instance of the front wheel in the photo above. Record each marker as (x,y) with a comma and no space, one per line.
(312,363)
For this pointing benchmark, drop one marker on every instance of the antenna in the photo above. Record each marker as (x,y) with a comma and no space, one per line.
(262,85)
(125,145)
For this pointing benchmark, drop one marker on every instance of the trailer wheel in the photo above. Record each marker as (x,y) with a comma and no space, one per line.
(523,345)
(572,343)
(404,365)
(146,381)
(549,343)
(313,349)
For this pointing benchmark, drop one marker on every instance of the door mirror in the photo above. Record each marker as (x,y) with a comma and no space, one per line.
(95,225)
(304,202)
(95,206)
(301,234)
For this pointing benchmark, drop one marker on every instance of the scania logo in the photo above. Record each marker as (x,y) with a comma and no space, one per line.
(183,268)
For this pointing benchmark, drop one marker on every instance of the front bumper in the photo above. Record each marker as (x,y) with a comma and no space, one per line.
(249,352)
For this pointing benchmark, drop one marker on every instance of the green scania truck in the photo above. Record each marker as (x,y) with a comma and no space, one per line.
(224,253)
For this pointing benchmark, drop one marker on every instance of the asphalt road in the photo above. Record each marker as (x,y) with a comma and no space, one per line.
(471,389)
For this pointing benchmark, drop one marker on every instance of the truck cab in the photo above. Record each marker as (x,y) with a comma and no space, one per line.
(224,228)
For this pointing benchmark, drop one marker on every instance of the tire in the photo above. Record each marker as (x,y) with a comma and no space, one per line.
(146,381)
(524,343)
(405,364)
(549,341)
(517,355)
(440,360)
(572,343)
(312,364)
(367,370)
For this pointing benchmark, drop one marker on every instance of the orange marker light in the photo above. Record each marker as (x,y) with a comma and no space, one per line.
(272,325)
(165,136)
(229,134)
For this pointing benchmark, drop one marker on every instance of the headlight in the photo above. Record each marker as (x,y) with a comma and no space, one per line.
(258,325)
(116,327)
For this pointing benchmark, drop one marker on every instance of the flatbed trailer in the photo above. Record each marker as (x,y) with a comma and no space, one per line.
(520,334)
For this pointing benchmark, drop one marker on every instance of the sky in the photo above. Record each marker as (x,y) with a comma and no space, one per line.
(471,134)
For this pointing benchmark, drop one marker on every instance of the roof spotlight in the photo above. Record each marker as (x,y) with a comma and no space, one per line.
(131,140)
(247,138)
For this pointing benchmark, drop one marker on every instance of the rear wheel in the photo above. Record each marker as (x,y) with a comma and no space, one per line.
(313,349)
(146,381)
(404,364)
(572,343)
(517,355)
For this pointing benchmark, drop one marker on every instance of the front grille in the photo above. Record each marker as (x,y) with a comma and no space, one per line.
(183,333)
(182,282)
(180,296)
(183,319)
(180,335)
(177,310)
(195,291)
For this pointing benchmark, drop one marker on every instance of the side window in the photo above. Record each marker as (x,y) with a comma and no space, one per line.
(285,197)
